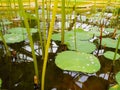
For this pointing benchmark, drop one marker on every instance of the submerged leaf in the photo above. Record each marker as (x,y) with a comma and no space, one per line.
(77,61)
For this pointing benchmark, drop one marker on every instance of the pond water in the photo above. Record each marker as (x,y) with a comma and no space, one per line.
(19,75)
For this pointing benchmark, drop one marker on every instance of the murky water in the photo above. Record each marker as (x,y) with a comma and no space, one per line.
(19,75)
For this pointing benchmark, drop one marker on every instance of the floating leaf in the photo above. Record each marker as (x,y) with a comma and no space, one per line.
(110,55)
(115,87)
(77,61)
(118,78)
(111,30)
(95,31)
(21,30)
(82,46)
(108,42)
(14,38)
(80,35)
(56,37)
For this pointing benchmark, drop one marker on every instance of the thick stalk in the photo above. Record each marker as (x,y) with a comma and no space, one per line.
(29,36)
(6,47)
(38,26)
(116,51)
(44,22)
(63,22)
(48,44)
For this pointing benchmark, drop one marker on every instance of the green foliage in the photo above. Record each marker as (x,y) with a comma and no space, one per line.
(115,87)
(110,55)
(21,30)
(82,46)
(118,78)
(14,38)
(108,42)
(77,61)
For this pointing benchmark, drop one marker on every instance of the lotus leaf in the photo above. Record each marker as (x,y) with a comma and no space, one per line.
(110,55)
(56,37)
(82,46)
(14,38)
(115,87)
(95,31)
(21,30)
(108,42)
(111,30)
(80,35)
(77,61)
(118,78)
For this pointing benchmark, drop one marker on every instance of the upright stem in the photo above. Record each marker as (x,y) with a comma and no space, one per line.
(38,25)
(116,51)
(63,21)
(44,22)
(48,44)
(6,47)
(29,36)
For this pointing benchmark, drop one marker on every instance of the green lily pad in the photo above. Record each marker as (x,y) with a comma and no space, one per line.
(110,55)
(111,30)
(56,37)
(108,42)
(77,61)
(14,38)
(118,78)
(115,87)
(80,35)
(82,43)
(82,46)
(21,30)
(95,31)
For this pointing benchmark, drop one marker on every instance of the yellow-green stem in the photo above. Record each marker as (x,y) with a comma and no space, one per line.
(44,22)
(6,47)
(63,21)
(38,25)
(29,36)
(48,44)
(116,50)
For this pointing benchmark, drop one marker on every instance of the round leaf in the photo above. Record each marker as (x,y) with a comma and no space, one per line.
(108,42)
(76,61)
(110,55)
(21,30)
(115,87)
(14,38)
(82,46)
(118,78)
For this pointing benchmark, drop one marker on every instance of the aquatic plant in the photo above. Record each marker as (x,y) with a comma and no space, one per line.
(110,55)
(21,30)
(77,61)
(14,38)
(29,36)
(48,44)
(117,86)
(4,42)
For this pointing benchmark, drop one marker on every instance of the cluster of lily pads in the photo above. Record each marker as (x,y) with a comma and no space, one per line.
(79,58)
